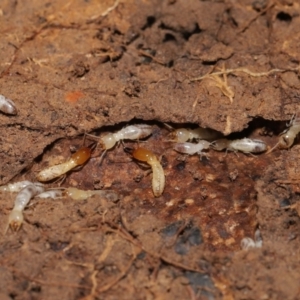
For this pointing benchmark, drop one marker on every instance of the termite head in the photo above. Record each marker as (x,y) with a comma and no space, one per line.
(180,135)
(220,145)
(82,155)
(15,220)
(143,154)
(8,106)
(286,140)
(108,141)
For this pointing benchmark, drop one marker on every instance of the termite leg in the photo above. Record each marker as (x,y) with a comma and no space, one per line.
(60,180)
(102,156)
(273,148)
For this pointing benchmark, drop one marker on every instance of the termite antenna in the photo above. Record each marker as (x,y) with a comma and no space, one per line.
(273,148)
(128,150)
(169,127)
(102,156)
(56,188)
(6,229)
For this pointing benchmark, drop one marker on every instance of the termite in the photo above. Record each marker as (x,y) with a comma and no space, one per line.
(158,178)
(190,148)
(287,138)
(78,195)
(77,159)
(131,132)
(182,135)
(17,186)
(243,145)
(7,106)
(249,243)
(16,218)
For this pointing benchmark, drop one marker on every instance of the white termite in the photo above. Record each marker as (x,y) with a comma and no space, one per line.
(158,178)
(191,148)
(243,145)
(249,243)
(7,106)
(16,218)
(131,132)
(77,194)
(182,135)
(53,194)
(17,186)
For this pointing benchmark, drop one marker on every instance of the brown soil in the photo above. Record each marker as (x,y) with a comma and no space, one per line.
(81,67)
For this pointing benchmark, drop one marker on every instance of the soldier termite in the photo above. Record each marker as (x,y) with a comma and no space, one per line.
(16,218)
(158,178)
(191,148)
(7,106)
(243,145)
(77,159)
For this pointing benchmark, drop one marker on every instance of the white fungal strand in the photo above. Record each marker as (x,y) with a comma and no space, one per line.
(191,148)
(15,218)
(182,135)
(7,106)
(17,186)
(131,132)
(243,145)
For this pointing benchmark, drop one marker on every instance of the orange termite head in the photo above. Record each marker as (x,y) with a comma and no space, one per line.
(82,155)
(142,154)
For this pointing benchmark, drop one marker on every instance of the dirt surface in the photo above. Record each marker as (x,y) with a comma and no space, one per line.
(96,66)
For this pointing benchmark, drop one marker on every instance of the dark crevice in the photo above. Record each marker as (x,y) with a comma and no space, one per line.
(187,34)
(285,17)
(170,64)
(150,21)
(169,37)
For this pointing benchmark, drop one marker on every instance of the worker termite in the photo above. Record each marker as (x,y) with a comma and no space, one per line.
(243,145)
(191,148)
(131,132)
(77,159)
(249,243)
(287,138)
(78,195)
(158,178)
(16,218)
(17,186)
(182,135)
(7,106)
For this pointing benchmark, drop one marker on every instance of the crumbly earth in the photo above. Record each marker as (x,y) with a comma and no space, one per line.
(94,67)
